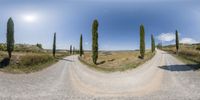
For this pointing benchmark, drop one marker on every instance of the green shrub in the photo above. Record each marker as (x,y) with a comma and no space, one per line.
(2,47)
(39,45)
(198,48)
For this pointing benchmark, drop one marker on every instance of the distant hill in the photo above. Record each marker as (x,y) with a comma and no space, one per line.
(184,45)
(23,47)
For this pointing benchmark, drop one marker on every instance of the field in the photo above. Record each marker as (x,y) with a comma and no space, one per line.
(116,60)
(190,54)
(28,60)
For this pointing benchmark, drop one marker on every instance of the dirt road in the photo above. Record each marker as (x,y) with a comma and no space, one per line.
(161,78)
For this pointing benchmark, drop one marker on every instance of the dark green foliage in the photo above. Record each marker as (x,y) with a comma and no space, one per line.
(10,36)
(81,45)
(95,41)
(54,45)
(198,48)
(152,43)
(70,51)
(39,45)
(2,47)
(142,41)
(177,42)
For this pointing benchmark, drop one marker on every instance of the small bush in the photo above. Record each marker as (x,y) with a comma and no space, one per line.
(198,48)
(2,47)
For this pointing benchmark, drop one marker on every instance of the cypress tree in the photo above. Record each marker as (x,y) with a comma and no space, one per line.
(10,36)
(95,41)
(142,41)
(177,42)
(70,51)
(81,45)
(152,43)
(54,44)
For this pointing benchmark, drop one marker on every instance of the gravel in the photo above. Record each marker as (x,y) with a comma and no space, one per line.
(161,78)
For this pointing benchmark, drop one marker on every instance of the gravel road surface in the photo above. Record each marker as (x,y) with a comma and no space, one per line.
(161,78)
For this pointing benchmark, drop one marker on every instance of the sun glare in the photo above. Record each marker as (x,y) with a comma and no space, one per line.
(30,18)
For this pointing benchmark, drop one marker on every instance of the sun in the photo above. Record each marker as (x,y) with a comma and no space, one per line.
(30,18)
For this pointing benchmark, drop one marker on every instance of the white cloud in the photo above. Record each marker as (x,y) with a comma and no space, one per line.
(188,41)
(166,37)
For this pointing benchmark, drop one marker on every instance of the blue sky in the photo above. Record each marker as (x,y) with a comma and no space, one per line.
(119,21)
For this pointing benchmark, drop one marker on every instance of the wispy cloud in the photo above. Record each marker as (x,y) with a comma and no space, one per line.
(166,37)
(188,41)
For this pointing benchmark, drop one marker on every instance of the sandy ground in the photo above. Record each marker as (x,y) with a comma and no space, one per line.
(161,78)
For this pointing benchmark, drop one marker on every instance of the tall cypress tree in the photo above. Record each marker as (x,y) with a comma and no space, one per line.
(95,41)
(142,41)
(70,50)
(177,42)
(54,44)
(81,45)
(152,43)
(10,36)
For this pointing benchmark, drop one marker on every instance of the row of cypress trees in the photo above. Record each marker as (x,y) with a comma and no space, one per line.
(176,42)
(142,42)
(73,50)
(10,41)
(10,38)
(95,41)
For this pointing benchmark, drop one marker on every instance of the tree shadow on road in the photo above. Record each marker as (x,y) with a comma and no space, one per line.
(100,62)
(186,67)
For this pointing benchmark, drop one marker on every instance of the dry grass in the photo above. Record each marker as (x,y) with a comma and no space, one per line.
(190,54)
(116,61)
(26,62)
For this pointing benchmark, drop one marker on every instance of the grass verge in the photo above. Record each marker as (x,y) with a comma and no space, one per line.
(27,69)
(28,62)
(188,62)
(121,66)
(189,56)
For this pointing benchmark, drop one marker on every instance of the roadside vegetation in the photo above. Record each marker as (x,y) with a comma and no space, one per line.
(110,61)
(25,58)
(81,46)
(95,45)
(26,62)
(188,53)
